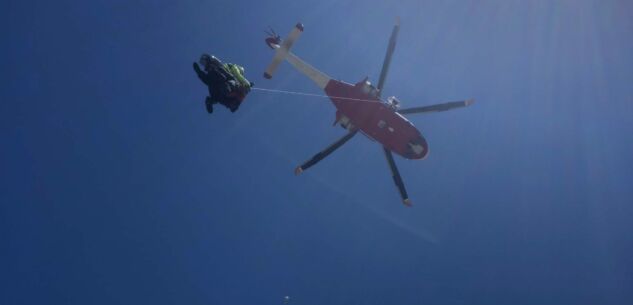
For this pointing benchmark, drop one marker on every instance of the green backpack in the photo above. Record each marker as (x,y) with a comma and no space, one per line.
(238,72)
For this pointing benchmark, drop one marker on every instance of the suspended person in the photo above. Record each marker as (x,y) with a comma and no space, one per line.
(226,82)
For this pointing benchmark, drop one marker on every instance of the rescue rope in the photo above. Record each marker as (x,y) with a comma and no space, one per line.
(311,94)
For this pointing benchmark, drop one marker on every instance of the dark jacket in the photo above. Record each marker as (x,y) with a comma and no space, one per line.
(217,80)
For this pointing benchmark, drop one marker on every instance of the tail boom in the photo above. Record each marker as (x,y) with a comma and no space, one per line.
(282,52)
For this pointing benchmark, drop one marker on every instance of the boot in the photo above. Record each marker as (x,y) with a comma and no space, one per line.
(233,106)
(209,104)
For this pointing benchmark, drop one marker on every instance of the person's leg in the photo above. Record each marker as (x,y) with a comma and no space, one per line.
(213,98)
(233,105)
(224,103)
(209,104)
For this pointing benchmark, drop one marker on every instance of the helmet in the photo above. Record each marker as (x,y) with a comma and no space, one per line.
(207,60)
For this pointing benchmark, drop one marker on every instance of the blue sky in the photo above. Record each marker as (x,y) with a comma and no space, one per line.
(118,188)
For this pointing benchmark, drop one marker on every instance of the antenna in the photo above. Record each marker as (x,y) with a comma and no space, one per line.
(271,32)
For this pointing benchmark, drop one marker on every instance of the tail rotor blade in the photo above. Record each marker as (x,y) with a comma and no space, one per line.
(271,32)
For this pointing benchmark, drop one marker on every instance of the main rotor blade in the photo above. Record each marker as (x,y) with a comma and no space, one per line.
(324,153)
(437,107)
(396,177)
(387,61)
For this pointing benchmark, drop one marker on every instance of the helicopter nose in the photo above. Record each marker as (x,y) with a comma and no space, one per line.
(418,148)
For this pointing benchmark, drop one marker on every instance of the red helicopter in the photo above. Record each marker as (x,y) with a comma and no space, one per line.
(359,107)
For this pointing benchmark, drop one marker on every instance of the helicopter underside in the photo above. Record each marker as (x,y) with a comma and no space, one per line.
(367,113)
